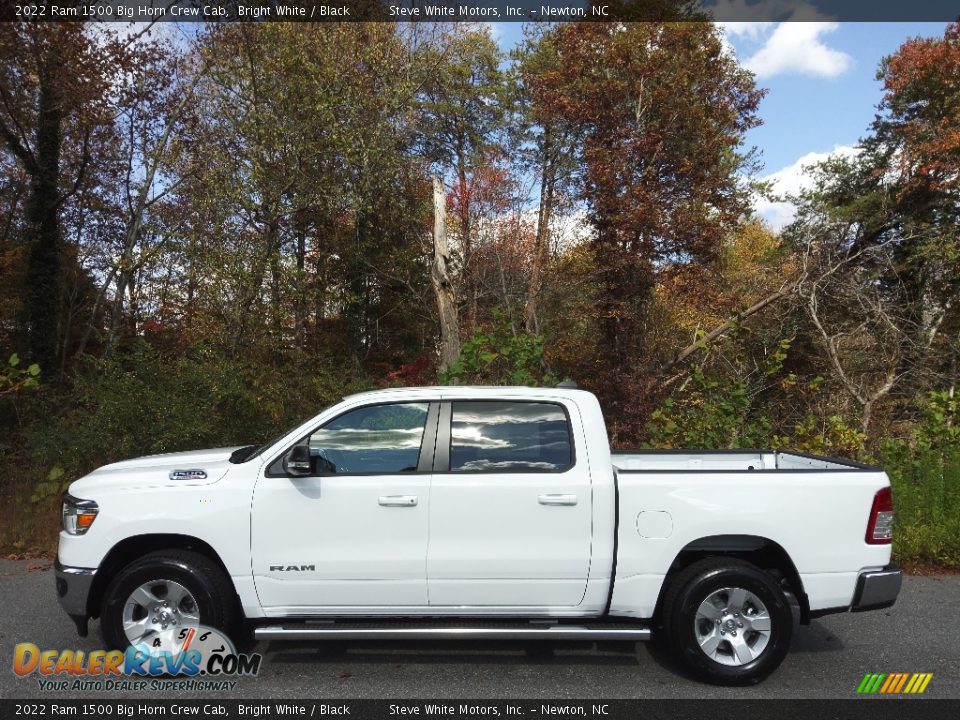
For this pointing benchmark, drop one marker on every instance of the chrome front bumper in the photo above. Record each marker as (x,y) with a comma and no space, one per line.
(73,592)
(877,589)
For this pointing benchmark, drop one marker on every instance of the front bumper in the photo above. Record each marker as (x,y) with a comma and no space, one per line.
(877,589)
(73,592)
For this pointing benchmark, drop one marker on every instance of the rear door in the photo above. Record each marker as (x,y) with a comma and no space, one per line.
(510,506)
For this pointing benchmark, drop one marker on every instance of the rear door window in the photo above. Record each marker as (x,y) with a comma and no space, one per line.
(495,436)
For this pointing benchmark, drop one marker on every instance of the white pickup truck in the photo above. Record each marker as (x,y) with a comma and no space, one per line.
(478,512)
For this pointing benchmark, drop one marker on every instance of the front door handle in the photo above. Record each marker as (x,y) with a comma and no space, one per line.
(398,500)
(557,499)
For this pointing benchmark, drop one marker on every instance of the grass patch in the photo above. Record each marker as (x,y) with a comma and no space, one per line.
(926,500)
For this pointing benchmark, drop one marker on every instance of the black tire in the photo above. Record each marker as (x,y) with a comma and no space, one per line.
(205,580)
(692,586)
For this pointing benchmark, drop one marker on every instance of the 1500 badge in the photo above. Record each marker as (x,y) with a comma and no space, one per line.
(195,474)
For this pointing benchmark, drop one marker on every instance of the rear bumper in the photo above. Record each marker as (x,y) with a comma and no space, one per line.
(73,592)
(877,589)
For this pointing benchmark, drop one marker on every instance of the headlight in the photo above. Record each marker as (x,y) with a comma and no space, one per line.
(78,515)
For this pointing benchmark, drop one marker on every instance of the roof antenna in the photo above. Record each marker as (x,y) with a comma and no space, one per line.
(567,384)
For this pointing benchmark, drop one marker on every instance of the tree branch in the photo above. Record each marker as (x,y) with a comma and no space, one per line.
(81,173)
(18,148)
(725,327)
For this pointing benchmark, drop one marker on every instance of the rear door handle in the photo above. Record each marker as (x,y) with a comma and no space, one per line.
(557,499)
(398,500)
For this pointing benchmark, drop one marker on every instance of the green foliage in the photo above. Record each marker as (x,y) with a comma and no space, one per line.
(709,413)
(500,355)
(718,411)
(924,471)
(926,501)
(831,435)
(147,402)
(940,425)
(14,378)
(52,487)
(714,411)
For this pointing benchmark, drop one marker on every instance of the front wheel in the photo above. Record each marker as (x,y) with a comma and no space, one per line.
(161,594)
(728,621)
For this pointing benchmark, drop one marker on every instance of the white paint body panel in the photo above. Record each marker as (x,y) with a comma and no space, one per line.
(359,552)
(819,518)
(482,544)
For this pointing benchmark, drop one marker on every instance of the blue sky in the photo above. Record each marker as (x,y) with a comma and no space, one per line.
(813,106)
(822,89)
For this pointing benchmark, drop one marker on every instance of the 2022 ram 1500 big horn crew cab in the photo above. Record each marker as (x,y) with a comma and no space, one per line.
(488,512)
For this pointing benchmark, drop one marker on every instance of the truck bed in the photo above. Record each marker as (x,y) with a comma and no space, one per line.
(814,509)
(726,461)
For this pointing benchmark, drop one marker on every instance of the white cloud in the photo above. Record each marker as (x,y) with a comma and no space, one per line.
(747,30)
(790,181)
(797,47)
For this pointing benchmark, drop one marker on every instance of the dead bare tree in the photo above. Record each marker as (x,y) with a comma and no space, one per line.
(440,278)
(859,322)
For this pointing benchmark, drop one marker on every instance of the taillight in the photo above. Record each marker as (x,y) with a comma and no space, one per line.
(880,525)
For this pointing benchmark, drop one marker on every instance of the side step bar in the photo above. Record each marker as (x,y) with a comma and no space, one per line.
(396,631)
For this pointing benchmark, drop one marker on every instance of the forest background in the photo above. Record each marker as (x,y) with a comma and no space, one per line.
(207,237)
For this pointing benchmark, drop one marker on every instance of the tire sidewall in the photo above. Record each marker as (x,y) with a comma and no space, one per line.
(155,569)
(781,625)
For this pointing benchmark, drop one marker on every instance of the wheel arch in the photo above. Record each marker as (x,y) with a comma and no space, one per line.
(136,546)
(760,551)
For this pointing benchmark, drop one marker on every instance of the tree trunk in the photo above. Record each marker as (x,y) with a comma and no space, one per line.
(541,241)
(357,311)
(42,282)
(468,285)
(866,417)
(440,279)
(301,290)
(250,289)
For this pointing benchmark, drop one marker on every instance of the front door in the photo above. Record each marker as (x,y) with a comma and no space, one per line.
(352,535)
(510,507)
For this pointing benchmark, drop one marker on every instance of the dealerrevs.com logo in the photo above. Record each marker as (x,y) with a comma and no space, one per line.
(199,658)
(894,683)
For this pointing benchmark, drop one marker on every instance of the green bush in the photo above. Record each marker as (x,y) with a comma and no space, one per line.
(709,413)
(926,502)
(145,402)
(925,475)
(500,355)
(14,378)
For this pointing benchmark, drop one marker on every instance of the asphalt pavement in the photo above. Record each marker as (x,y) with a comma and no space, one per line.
(828,658)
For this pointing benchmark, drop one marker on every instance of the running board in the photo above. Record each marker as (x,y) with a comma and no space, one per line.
(498,631)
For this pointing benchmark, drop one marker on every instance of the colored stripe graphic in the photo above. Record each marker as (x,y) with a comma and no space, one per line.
(891,681)
(894,683)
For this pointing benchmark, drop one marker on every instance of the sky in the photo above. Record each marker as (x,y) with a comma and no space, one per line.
(822,90)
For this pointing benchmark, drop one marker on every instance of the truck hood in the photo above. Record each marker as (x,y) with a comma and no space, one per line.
(197,467)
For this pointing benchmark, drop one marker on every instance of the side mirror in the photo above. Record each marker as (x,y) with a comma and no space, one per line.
(298,462)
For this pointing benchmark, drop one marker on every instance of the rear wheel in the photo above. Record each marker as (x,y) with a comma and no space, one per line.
(164,591)
(727,621)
